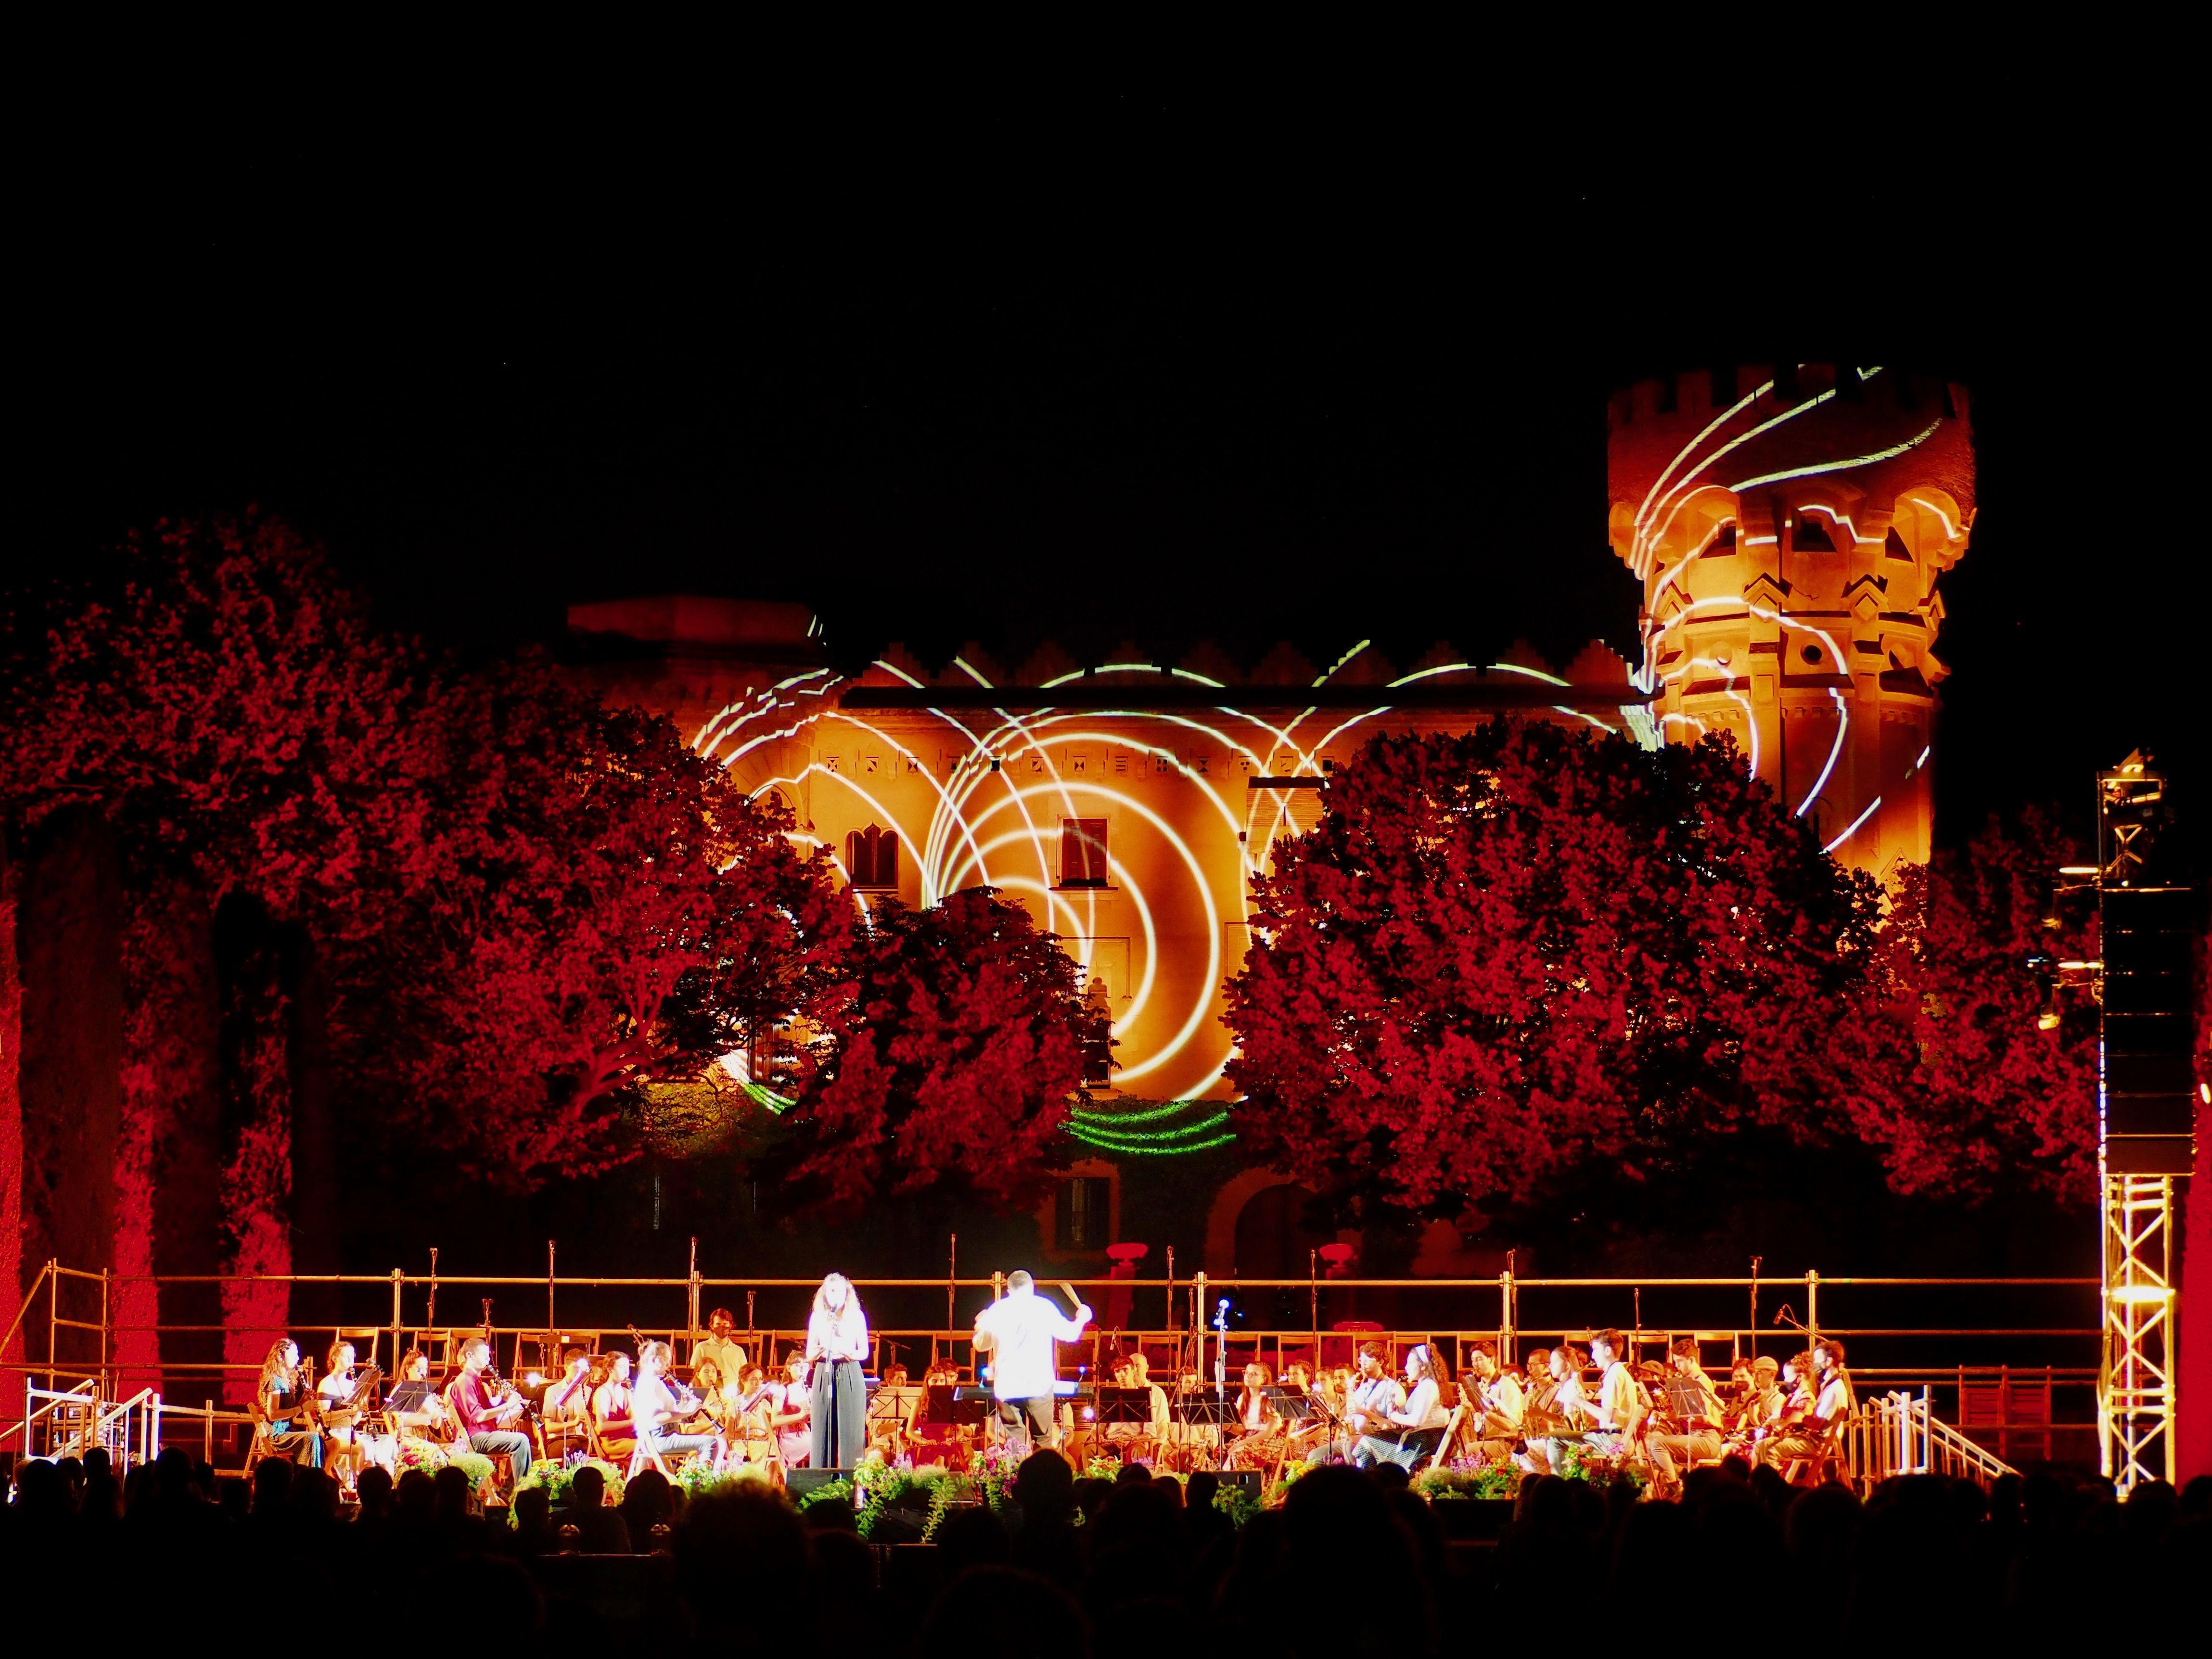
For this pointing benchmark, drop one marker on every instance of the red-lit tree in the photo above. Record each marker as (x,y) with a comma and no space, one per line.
(950,1058)
(1502,954)
(1940,1063)
(588,907)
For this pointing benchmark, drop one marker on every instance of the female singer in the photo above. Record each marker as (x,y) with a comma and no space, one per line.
(1261,1441)
(285,1408)
(837,1343)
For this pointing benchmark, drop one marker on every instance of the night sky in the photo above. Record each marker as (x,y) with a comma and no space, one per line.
(1142,375)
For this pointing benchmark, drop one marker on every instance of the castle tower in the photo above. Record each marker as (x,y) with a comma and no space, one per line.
(1790,529)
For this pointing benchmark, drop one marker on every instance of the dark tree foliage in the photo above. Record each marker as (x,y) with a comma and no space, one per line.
(1940,1063)
(952,1057)
(1501,955)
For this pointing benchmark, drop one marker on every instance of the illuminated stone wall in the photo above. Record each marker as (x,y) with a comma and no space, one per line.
(1791,531)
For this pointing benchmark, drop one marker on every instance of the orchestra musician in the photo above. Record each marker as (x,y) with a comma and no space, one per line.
(287,1408)
(432,1426)
(1367,1406)
(788,1412)
(488,1413)
(1420,1412)
(837,1401)
(1303,1432)
(567,1402)
(659,1414)
(1830,1387)
(718,1345)
(1496,1395)
(1761,1400)
(752,1436)
(717,1411)
(1132,1440)
(352,1444)
(1617,1415)
(1261,1441)
(1018,1331)
(1690,1430)
(1562,1409)
(610,1407)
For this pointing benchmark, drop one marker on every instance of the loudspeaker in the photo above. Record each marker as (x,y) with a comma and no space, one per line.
(803,1481)
(1248,1479)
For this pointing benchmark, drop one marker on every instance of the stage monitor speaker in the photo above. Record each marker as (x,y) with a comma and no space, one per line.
(1248,1479)
(803,1481)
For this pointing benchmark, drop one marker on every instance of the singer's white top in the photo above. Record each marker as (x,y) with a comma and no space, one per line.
(1018,1331)
(845,1337)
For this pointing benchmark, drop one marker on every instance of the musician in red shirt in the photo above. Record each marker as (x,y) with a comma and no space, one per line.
(487,1425)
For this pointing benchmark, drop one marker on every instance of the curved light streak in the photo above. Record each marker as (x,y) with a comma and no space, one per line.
(1950,530)
(1768,425)
(1856,823)
(893,668)
(1213,976)
(1890,454)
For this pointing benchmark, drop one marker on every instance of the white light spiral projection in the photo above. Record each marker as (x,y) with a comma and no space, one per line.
(986,810)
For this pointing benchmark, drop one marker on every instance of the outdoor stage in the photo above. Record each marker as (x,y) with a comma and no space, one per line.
(1985,1373)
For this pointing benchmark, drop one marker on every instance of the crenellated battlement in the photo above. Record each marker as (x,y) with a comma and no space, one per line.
(1789,526)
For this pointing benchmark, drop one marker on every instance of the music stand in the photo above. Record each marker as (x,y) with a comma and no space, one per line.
(1292,1404)
(409,1397)
(963,1405)
(1118,1405)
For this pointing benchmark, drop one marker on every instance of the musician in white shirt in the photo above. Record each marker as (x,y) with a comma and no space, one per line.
(1366,1408)
(1498,1394)
(1692,1433)
(1018,1331)
(1812,1434)
(1422,1412)
(657,1412)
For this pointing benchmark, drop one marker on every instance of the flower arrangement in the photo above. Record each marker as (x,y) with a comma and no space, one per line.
(1235,1502)
(556,1477)
(1467,1477)
(415,1454)
(697,1477)
(1600,1470)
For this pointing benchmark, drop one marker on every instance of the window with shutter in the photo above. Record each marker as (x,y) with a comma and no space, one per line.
(1083,852)
(872,857)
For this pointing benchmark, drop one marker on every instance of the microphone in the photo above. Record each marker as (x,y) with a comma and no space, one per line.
(1223,1308)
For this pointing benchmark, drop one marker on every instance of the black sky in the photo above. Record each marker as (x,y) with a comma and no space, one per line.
(1136,372)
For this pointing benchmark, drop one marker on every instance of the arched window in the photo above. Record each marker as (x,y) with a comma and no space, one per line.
(872,857)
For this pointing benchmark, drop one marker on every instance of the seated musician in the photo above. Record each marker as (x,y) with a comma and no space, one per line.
(1305,1432)
(718,1400)
(1127,1440)
(1407,1432)
(1617,1414)
(751,1440)
(718,1345)
(1260,1443)
(1367,1407)
(1761,1400)
(1689,1427)
(286,1407)
(610,1408)
(1495,1393)
(432,1424)
(1562,1408)
(488,1422)
(1812,1433)
(660,1415)
(790,1412)
(567,1399)
(354,1444)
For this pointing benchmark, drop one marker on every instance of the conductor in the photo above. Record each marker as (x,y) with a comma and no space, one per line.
(1018,1332)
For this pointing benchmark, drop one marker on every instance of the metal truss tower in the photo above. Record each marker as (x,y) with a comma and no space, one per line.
(2145,1114)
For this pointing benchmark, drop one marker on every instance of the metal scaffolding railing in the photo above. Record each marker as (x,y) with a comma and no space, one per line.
(1896,1327)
